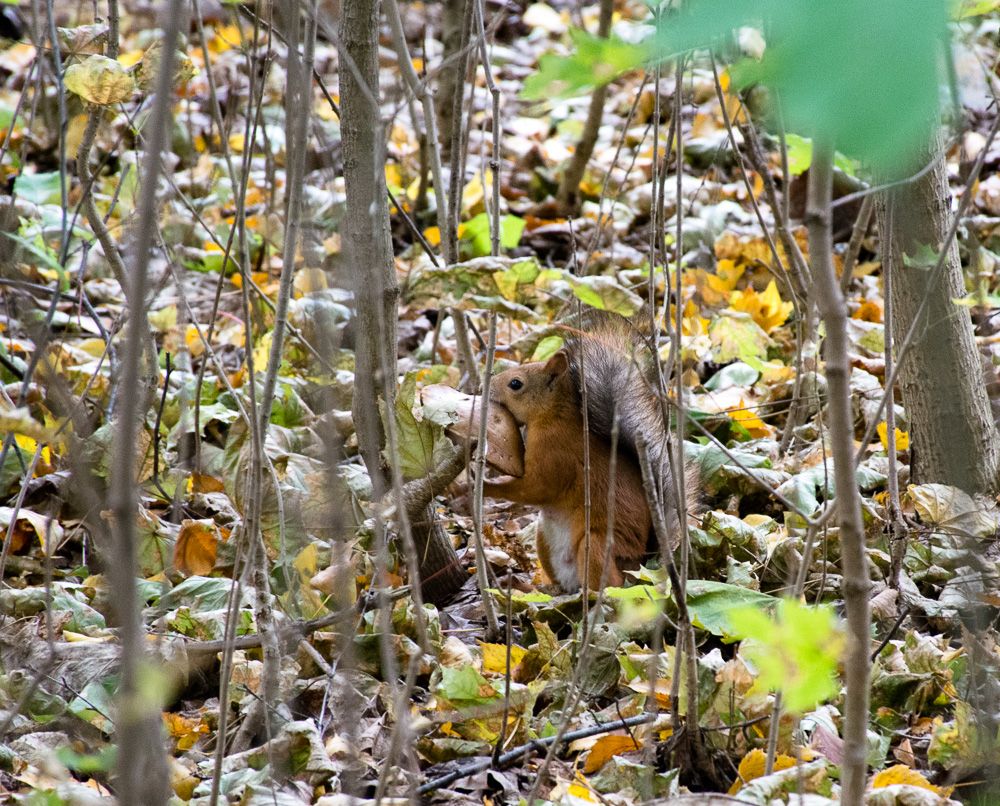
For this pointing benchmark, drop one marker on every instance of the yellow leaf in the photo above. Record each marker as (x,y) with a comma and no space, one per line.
(237,142)
(902,437)
(580,791)
(901,774)
(193,341)
(309,281)
(185,730)
(750,421)
(766,308)
(79,638)
(716,288)
(393,176)
(130,58)
(100,80)
(753,764)
(307,562)
(474,192)
(495,657)
(606,747)
(869,311)
(433,236)
(226,38)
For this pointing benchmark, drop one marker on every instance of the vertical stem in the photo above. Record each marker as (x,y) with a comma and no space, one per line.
(141,766)
(569,186)
(853,562)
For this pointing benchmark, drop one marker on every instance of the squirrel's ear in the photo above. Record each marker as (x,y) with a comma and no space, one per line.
(557,365)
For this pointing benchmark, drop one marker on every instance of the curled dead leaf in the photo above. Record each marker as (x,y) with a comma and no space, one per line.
(505,448)
(197,546)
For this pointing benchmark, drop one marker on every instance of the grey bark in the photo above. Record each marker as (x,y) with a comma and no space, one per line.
(952,435)
(453,68)
(856,587)
(141,776)
(369,251)
(368,246)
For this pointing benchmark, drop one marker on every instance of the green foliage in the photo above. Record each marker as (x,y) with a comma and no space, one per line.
(476,233)
(88,763)
(39,188)
(712,603)
(864,74)
(800,156)
(595,60)
(420,443)
(796,652)
(465,686)
(519,288)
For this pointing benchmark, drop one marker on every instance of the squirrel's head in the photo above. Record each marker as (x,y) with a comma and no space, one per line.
(533,390)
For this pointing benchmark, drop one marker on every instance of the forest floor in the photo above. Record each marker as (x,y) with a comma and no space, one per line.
(356,723)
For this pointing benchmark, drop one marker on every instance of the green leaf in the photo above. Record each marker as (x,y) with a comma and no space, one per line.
(88,764)
(710,604)
(200,594)
(796,652)
(464,685)
(738,374)
(963,9)
(40,188)
(604,293)
(476,233)
(547,348)
(517,287)
(95,704)
(800,153)
(420,443)
(736,336)
(594,61)
(865,74)
(800,156)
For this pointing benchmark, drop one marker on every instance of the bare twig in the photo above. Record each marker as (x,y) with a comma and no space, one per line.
(855,571)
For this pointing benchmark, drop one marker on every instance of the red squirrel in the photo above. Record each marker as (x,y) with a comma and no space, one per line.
(546,398)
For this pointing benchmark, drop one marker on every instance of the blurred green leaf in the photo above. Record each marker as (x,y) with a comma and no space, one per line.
(39,188)
(795,652)
(594,61)
(865,74)
(465,686)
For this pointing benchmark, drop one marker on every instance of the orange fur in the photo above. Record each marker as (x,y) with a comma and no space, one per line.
(554,480)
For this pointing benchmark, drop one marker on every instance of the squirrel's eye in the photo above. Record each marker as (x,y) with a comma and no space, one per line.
(515,384)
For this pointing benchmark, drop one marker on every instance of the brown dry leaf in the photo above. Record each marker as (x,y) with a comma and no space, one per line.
(606,747)
(100,80)
(904,753)
(505,447)
(200,483)
(661,690)
(197,546)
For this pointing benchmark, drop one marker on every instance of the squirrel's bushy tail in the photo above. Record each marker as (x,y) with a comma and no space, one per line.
(616,358)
